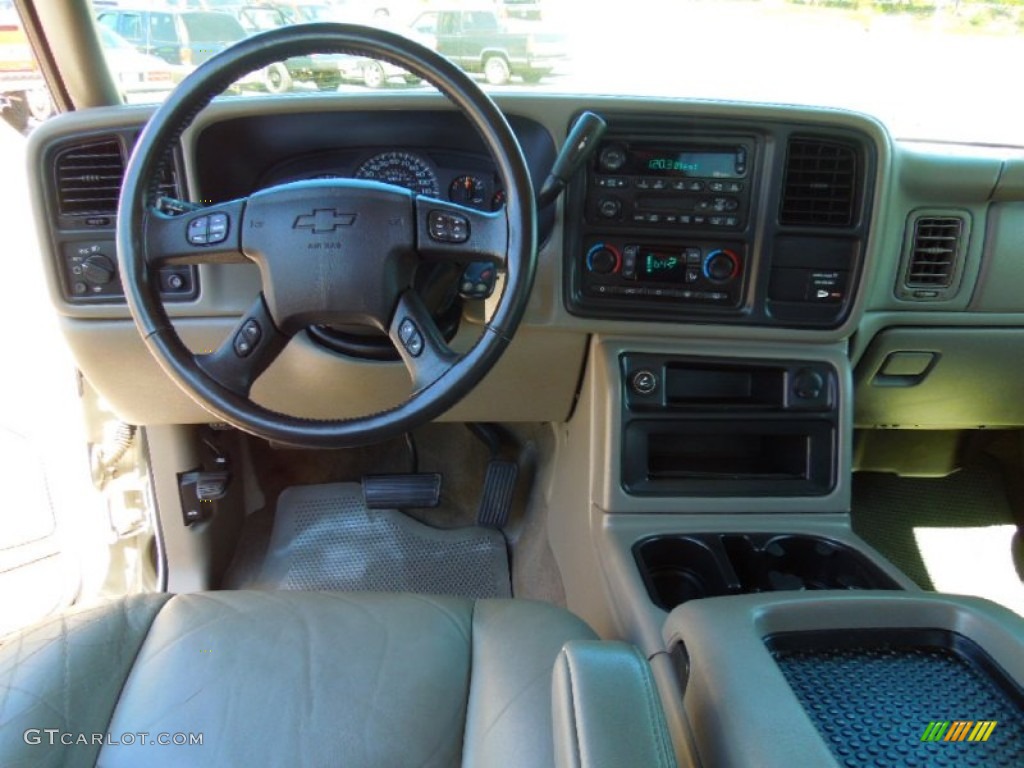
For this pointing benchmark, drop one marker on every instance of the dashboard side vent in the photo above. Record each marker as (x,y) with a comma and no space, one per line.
(935,251)
(89,178)
(820,184)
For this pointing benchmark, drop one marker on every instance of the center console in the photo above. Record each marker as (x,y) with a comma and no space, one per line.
(710,221)
(727,427)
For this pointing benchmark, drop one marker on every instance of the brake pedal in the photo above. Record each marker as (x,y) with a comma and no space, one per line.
(402,491)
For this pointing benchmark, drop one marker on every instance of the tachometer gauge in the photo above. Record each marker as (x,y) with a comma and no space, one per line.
(403,169)
(468,190)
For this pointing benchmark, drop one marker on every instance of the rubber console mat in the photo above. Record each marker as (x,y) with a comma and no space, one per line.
(324,538)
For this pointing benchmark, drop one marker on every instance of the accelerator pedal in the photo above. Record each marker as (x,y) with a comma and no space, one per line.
(501,475)
(418,490)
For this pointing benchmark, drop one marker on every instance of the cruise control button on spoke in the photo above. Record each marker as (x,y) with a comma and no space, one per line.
(252,331)
(247,338)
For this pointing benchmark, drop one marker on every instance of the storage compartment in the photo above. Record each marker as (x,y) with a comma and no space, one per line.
(729,457)
(676,569)
(690,384)
(935,687)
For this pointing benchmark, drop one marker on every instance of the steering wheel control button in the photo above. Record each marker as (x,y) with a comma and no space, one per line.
(199,231)
(644,382)
(208,230)
(415,345)
(477,280)
(410,337)
(406,330)
(218,228)
(247,338)
(448,227)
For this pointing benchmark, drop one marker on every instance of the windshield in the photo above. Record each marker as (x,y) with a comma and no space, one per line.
(924,68)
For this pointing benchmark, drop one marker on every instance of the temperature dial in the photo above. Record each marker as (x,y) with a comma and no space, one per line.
(603,259)
(721,266)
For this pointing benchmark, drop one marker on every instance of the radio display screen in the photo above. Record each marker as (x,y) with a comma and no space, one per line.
(661,266)
(684,162)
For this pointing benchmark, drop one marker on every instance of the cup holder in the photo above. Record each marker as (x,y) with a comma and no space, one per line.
(676,569)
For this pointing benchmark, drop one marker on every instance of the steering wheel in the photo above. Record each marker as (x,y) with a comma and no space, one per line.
(330,251)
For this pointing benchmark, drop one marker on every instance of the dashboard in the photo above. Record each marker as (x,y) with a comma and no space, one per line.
(693,221)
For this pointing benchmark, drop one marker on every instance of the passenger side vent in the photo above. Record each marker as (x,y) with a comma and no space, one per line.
(934,251)
(89,178)
(820,185)
(933,255)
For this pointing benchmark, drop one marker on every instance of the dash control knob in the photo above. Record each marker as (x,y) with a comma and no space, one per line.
(612,158)
(609,208)
(721,266)
(98,269)
(603,260)
(644,382)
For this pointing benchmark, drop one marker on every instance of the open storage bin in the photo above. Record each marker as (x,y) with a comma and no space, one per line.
(676,569)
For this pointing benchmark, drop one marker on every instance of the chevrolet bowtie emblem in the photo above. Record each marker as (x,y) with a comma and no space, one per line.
(324,220)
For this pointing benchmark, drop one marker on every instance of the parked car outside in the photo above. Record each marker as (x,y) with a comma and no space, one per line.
(183,38)
(482,40)
(140,77)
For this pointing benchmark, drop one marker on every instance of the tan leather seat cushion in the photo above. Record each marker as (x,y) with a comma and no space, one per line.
(291,679)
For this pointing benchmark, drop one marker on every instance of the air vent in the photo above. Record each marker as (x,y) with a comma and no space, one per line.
(820,185)
(934,252)
(89,178)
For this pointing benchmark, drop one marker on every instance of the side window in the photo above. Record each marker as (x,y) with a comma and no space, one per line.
(161,28)
(130,26)
(448,24)
(480,21)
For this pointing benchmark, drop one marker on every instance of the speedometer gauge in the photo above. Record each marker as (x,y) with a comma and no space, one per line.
(403,169)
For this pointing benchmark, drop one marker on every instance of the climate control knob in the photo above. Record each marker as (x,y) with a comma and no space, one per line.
(603,260)
(721,266)
(98,269)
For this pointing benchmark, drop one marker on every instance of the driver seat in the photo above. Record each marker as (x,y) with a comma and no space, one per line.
(319,678)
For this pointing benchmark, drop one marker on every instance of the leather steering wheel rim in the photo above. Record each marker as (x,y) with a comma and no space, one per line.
(211,380)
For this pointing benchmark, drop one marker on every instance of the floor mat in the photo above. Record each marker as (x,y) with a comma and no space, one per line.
(325,538)
(952,534)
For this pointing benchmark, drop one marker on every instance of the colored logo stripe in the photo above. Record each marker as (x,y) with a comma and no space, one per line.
(959,730)
(982,730)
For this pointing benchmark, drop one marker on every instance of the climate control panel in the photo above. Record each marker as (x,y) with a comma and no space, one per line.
(684,274)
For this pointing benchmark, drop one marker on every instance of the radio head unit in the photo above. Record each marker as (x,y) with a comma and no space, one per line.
(682,185)
(647,159)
